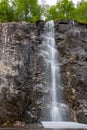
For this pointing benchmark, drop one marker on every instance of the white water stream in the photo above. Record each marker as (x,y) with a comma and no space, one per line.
(50,54)
(57,108)
(55,112)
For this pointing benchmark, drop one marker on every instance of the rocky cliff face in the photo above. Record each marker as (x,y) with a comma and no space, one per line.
(22,70)
(71,40)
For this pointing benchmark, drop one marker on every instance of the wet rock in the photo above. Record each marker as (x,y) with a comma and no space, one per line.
(72,51)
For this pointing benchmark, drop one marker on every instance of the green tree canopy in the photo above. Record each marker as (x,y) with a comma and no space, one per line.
(19,10)
(64,9)
(27,10)
(6,11)
(81,14)
(31,11)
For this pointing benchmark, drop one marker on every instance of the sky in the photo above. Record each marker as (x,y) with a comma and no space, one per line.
(53,2)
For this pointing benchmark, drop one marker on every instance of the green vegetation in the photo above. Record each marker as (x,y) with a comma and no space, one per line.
(6,11)
(26,10)
(64,9)
(19,10)
(81,12)
(30,11)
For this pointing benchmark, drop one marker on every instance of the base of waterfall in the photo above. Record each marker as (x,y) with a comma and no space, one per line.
(63,125)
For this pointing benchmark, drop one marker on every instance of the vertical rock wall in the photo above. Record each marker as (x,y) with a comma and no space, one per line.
(71,39)
(20,72)
(22,83)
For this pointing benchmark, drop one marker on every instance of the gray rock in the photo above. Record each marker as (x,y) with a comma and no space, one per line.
(22,69)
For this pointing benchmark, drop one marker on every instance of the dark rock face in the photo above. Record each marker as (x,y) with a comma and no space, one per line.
(71,40)
(22,83)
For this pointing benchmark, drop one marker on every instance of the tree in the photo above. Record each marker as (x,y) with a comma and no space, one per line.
(27,10)
(81,12)
(52,13)
(6,11)
(19,10)
(64,9)
(44,11)
(30,11)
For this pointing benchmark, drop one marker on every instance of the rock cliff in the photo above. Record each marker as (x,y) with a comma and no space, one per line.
(22,70)
(71,40)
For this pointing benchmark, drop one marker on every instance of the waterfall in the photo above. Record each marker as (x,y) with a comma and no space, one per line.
(57,113)
(52,75)
(54,69)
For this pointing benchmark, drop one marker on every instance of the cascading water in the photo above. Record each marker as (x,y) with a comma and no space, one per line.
(52,75)
(54,67)
(58,110)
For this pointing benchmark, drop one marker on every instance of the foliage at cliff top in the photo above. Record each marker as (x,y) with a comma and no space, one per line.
(30,11)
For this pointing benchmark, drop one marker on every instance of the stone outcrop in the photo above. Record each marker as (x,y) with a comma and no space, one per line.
(22,70)
(21,85)
(71,40)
